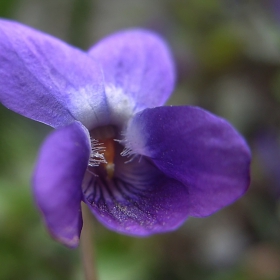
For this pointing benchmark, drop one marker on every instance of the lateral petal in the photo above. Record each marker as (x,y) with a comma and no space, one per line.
(47,80)
(200,150)
(57,181)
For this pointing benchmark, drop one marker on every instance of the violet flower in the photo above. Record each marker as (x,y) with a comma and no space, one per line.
(141,168)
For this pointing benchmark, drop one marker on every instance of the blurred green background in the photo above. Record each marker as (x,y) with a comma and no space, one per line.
(227,55)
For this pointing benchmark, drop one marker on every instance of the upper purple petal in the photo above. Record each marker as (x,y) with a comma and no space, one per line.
(47,80)
(57,181)
(138,200)
(198,149)
(137,63)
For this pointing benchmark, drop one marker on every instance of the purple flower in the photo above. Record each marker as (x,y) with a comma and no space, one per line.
(141,168)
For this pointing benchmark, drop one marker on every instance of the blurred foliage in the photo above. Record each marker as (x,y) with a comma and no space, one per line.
(227,56)
(81,11)
(7,7)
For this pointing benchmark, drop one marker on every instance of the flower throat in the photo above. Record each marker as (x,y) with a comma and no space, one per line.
(103,149)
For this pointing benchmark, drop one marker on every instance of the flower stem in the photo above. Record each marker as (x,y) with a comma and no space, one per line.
(87,246)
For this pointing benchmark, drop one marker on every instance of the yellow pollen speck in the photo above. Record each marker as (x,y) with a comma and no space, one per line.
(110,168)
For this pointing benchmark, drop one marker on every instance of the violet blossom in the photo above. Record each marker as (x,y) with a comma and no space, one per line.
(141,168)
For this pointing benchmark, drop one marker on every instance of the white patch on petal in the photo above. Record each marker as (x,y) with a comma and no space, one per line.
(120,105)
(91,113)
(96,110)
(134,140)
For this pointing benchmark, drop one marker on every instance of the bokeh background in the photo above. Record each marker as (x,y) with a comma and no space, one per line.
(227,55)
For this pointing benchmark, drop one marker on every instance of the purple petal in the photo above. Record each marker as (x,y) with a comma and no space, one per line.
(46,80)
(57,181)
(198,149)
(139,200)
(137,63)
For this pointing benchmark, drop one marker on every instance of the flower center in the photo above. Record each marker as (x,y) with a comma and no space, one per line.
(109,155)
(103,149)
